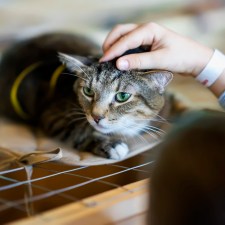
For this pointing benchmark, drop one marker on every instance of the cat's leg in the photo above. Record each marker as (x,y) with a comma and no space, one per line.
(110,148)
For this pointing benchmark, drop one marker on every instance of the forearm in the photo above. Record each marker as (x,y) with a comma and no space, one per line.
(219,86)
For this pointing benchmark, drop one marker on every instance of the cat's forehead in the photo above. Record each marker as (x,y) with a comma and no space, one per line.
(107,68)
(107,72)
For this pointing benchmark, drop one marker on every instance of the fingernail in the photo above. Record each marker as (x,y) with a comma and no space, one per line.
(101,59)
(123,64)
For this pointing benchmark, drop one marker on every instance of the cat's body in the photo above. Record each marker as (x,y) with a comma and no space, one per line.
(84,101)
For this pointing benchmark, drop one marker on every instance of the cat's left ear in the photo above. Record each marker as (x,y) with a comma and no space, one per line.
(74,62)
(159,78)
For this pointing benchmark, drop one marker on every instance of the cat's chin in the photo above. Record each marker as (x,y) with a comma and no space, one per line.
(125,132)
(103,130)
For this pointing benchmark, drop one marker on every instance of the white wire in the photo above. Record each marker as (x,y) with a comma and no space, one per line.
(6,187)
(59,191)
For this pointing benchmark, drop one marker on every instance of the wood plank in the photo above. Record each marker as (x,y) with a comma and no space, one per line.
(106,208)
(139,219)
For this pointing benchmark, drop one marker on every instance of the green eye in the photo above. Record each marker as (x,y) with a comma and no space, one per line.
(122,96)
(88,92)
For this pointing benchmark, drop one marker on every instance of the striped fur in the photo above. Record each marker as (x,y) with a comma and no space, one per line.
(99,122)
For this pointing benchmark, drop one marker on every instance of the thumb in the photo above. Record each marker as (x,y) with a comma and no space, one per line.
(147,60)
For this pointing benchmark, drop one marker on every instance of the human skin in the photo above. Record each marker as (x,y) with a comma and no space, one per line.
(169,51)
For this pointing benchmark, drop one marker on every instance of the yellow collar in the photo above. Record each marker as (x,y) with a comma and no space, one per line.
(15,87)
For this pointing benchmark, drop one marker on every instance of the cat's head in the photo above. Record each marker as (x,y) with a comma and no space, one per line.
(114,101)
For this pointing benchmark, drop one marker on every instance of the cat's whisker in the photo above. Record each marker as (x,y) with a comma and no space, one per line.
(84,122)
(81,69)
(137,135)
(75,114)
(74,111)
(145,130)
(75,75)
(152,133)
(75,120)
(156,133)
(162,118)
(153,120)
(77,107)
(147,126)
(156,128)
(124,137)
(140,138)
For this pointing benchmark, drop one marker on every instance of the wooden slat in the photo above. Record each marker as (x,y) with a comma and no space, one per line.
(106,208)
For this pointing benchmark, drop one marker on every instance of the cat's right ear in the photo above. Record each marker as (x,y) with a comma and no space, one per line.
(160,78)
(74,62)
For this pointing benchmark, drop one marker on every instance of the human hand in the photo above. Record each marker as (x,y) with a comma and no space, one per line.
(169,50)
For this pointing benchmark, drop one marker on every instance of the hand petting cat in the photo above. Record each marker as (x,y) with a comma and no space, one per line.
(169,51)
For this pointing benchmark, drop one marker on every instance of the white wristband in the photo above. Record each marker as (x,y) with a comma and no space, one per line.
(213,69)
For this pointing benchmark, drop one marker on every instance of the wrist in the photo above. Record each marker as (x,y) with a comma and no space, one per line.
(203,56)
(212,76)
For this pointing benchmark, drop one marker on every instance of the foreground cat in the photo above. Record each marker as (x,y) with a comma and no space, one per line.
(92,104)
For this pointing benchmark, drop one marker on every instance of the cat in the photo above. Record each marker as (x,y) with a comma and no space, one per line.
(187,185)
(55,82)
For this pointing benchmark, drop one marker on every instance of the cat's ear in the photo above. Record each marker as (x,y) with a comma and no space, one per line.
(159,78)
(74,62)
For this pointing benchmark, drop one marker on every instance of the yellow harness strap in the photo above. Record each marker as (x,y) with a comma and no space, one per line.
(54,79)
(15,87)
(13,94)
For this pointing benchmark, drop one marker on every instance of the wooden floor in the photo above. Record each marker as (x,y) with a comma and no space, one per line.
(121,206)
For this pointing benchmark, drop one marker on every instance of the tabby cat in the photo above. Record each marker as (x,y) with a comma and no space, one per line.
(55,82)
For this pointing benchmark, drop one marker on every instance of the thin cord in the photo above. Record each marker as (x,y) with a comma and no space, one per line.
(55,192)
(43,189)
(125,167)
(6,187)
(11,171)
(85,177)
(10,204)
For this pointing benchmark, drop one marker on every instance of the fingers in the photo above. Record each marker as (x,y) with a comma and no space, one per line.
(141,35)
(169,50)
(147,60)
(116,34)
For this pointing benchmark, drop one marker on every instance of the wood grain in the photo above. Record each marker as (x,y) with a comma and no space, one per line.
(107,208)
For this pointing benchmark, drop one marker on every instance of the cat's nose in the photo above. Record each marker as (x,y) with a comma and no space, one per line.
(97,118)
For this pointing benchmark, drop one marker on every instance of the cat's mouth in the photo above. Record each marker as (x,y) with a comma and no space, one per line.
(100,126)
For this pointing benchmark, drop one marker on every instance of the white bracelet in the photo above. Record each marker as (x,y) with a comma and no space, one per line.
(213,69)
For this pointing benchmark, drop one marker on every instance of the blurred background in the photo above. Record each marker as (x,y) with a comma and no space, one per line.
(202,20)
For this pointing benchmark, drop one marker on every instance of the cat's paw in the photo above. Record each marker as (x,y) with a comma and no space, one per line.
(116,150)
